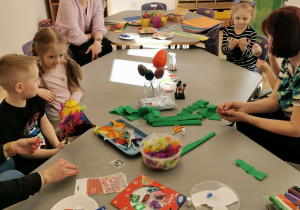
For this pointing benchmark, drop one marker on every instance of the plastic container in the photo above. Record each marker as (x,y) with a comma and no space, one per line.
(145,22)
(156,163)
(156,21)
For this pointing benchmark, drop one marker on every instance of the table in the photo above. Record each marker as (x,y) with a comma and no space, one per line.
(114,81)
(147,39)
(214,160)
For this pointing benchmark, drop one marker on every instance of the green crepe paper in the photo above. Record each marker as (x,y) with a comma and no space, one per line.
(203,112)
(211,109)
(215,116)
(191,146)
(185,111)
(251,170)
(170,123)
(192,107)
(119,110)
(202,103)
(176,118)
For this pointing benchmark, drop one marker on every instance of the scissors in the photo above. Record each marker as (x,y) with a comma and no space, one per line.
(177,129)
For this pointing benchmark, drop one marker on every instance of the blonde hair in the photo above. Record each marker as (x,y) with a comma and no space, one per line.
(43,40)
(245,5)
(14,68)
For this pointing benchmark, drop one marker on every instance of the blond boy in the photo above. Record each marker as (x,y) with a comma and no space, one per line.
(22,112)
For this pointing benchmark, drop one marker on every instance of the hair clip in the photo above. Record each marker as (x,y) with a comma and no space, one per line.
(252,3)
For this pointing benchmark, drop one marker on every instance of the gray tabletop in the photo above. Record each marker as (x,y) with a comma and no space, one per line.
(214,160)
(147,39)
(114,81)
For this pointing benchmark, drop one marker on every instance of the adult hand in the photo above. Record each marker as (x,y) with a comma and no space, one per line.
(26,146)
(232,42)
(234,116)
(60,170)
(243,43)
(231,106)
(96,48)
(262,65)
(45,94)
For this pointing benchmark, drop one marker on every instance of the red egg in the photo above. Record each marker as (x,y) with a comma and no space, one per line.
(159,73)
(160,59)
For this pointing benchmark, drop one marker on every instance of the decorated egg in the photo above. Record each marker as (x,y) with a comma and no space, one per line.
(159,73)
(160,59)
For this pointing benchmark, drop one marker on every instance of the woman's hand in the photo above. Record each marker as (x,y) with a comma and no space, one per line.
(232,43)
(243,43)
(233,116)
(229,109)
(262,65)
(26,146)
(45,94)
(60,170)
(96,49)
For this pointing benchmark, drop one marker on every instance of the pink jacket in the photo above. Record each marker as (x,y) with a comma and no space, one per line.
(74,23)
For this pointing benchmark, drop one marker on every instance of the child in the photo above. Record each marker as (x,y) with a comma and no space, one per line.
(239,38)
(22,112)
(59,75)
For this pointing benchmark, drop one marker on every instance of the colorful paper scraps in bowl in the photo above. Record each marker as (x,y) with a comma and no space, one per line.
(123,135)
(147,30)
(135,22)
(161,151)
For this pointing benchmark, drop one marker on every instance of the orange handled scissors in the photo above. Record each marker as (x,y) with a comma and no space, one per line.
(177,129)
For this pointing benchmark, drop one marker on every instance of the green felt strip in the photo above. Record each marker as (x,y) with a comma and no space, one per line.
(202,103)
(203,112)
(277,203)
(215,116)
(131,118)
(251,170)
(191,146)
(211,110)
(191,108)
(170,123)
(176,118)
(119,110)
(185,111)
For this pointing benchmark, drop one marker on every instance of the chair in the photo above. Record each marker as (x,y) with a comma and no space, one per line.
(27,48)
(157,5)
(263,43)
(212,44)
(208,12)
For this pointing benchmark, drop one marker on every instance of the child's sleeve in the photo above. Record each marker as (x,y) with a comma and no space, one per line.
(225,48)
(76,95)
(248,52)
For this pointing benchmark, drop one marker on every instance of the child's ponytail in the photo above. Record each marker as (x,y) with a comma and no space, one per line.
(74,74)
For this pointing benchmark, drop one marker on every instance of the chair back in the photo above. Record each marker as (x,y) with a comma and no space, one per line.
(208,12)
(27,48)
(262,41)
(157,5)
(212,44)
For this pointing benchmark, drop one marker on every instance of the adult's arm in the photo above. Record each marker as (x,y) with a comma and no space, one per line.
(67,22)
(98,21)
(13,191)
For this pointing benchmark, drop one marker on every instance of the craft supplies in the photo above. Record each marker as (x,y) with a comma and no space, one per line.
(213,194)
(146,193)
(116,132)
(287,200)
(177,129)
(179,93)
(188,201)
(172,61)
(160,102)
(251,170)
(256,50)
(191,146)
(160,151)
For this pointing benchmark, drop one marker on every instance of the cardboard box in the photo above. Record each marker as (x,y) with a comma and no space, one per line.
(178,14)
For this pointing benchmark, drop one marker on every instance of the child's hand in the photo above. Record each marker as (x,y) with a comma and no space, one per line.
(232,43)
(262,66)
(47,95)
(243,43)
(62,145)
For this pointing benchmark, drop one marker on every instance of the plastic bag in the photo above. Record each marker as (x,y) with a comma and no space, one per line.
(161,102)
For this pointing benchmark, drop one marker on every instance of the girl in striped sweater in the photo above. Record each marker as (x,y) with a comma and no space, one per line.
(239,38)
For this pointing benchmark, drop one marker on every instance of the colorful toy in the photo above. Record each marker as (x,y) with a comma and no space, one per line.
(256,50)
(179,93)
(161,151)
(70,115)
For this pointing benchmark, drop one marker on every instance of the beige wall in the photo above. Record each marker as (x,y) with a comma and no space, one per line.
(18,22)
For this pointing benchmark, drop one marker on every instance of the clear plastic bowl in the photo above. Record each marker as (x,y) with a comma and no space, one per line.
(159,164)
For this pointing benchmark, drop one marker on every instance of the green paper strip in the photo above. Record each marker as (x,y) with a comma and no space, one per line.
(277,203)
(202,103)
(203,112)
(191,146)
(176,118)
(251,170)
(215,116)
(170,123)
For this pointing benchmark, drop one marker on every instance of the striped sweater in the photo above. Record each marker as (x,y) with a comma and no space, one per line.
(244,59)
